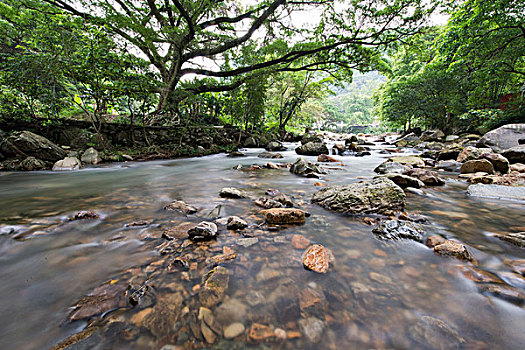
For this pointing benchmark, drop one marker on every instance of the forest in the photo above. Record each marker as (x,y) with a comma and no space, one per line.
(259,67)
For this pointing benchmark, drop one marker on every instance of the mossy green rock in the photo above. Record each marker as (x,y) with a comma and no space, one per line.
(379,195)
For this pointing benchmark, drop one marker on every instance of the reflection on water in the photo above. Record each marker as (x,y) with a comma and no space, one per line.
(377,295)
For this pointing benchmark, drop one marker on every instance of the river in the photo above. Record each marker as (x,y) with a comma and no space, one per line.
(377,295)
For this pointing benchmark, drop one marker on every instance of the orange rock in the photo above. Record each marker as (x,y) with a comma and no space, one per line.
(317,258)
(323,158)
(300,242)
(451,248)
(293,334)
(368,221)
(380,252)
(137,318)
(433,241)
(260,332)
(319,184)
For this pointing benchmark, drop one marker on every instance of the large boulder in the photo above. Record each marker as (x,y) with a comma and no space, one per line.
(379,195)
(67,164)
(504,137)
(32,163)
(275,146)
(472,153)
(30,144)
(515,154)
(91,156)
(476,166)
(500,163)
(312,149)
(305,168)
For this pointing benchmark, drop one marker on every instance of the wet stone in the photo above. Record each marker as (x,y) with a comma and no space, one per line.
(259,332)
(300,241)
(85,214)
(203,231)
(270,155)
(452,248)
(317,258)
(436,334)
(433,241)
(215,283)
(268,203)
(230,192)
(312,328)
(233,330)
(181,207)
(518,239)
(162,318)
(312,302)
(281,216)
(393,229)
(236,223)
(247,242)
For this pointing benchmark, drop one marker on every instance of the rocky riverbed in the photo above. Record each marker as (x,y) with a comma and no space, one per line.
(234,252)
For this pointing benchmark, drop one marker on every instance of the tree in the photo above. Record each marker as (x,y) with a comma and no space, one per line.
(177,36)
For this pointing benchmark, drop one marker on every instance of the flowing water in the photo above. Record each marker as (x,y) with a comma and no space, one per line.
(377,295)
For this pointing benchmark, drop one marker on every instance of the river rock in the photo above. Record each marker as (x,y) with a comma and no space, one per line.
(29,144)
(233,330)
(413,161)
(497,191)
(452,248)
(300,241)
(67,164)
(476,166)
(432,135)
(91,156)
(379,195)
(203,231)
(236,223)
(433,241)
(518,167)
(391,168)
(405,181)
(259,332)
(428,177)
(252,142)
(215,283)
(275,146)
(393,230)
(451,138)
(312,149)
(182,207)
(104,298)
(515,154)
(231,192)
(270,155)
(305,168)
(231,310)
(323,158)
(312,302)
(310,138)
(338,149)
(433,333)
(450,153)
(517,239)
(449,165)
(268,203)
(472,153)
(281,216)
(313,328)
(32,164)
(500,163)
(161,320)
(317,258)
(504,137)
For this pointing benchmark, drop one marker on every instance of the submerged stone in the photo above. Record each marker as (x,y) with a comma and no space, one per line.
(317,258)
(215,284)
(281,216)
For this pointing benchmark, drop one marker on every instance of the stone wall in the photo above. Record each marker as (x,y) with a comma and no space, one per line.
(81,134)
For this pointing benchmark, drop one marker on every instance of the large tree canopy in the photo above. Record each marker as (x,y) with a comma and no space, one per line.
(180,38)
